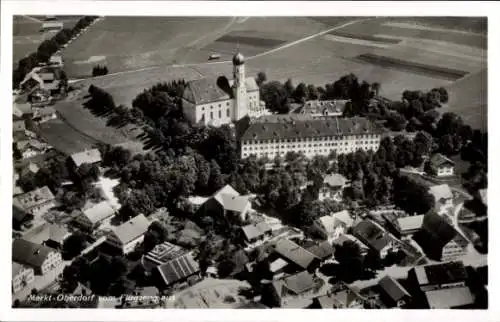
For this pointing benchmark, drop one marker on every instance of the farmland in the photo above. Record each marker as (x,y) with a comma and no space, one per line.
(27,36)
(129,43)
(413,58)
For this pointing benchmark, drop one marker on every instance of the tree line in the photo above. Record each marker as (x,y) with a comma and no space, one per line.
(46,49)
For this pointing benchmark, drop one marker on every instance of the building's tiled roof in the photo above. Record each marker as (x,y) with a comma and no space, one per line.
(438,160)
(393,288)
(282,118)
(441,191)
(204,90)
(449,297)
(87,156)
(373,234)
(483,193)
(335,180)
(178,268)
(323,250)
(164,252)
(324,107)
(409,223)
(294,253)
(234,203)
(19,109)
(277,265)
(347,237)
(441,273)
(28,253)
(33,198)
(99,212)
(310,128)
(46,232)
(132,229)
(299,283)
(255,230)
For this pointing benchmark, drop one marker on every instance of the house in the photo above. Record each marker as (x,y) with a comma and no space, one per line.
(31,147)
(18,124)
(443,197)
(178,270)
(22,277)
(44,114)
(52,26)
(256,232)
(374,236)
(341,297)
(277,267)
(322,109)
(20,217)
(95,215)
(52,235)
(450,298)
(36,202)
(218,101)
(129,234)
(211,293)
(30,168)
(333,187)
(22,110)
(323,250)
(348,237)
(295,254)
(41,258)
(227,203)
(92,156)
(161,254)
(438,276)
(407,226)
(335,224)
(56,60)
(143,298)
(393,293)
(439,239)
(440,166)
(281,293)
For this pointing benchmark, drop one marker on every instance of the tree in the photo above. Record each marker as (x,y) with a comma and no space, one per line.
(411,196)
(376,88)
(289,88)
(348,254)
(275,96)
(261,78)
(16,153)
(301,93)
(423,143)
(216,180)
(313,92)
(73,245)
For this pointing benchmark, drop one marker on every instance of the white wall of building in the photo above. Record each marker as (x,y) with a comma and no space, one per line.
(310,146)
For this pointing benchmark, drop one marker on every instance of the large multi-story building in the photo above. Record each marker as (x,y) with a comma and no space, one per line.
(218,101)
(275,136)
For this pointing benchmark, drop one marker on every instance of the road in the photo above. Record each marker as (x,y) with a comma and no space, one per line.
(293,43)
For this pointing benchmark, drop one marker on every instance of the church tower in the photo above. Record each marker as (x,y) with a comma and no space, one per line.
(240,105)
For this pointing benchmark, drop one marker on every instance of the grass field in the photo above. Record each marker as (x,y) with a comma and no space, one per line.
(27,36)
(64,138)
(469,99)
(128,43)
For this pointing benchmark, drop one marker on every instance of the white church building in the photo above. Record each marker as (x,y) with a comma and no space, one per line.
(211,102)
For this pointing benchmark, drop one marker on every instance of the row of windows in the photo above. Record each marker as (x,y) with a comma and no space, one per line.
(325,138)
(308,151)
(202,119)
(308,145)
(211,106)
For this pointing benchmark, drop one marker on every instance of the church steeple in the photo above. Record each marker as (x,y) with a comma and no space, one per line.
(239,87)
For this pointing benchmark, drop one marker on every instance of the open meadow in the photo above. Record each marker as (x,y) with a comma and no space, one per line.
(27,35)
